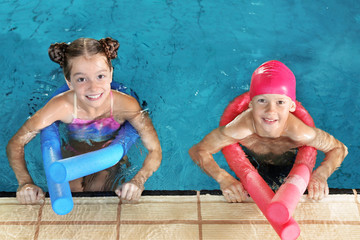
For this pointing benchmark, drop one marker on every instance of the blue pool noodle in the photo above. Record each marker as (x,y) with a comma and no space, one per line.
(71,168)
(60,193)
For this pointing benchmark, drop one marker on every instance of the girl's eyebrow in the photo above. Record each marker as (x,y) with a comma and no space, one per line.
(80,73)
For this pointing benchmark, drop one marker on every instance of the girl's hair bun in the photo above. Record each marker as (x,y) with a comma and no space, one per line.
(110,46)
(57,52)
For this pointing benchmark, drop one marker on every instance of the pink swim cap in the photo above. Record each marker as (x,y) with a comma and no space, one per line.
(273,77)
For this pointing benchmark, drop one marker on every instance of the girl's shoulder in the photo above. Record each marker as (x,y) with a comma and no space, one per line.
(65,98)
(58,108)
(125,107)
(124,101)
(62,105)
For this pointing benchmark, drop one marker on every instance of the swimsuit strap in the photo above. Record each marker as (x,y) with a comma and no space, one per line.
(111,103)
(75,106)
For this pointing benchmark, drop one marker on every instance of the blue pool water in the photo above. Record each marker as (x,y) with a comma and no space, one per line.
(187,60)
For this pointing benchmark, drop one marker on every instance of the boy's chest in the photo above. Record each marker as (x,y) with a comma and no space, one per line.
(263,146)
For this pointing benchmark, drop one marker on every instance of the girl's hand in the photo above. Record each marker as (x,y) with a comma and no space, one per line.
(233,190)
(30,194)
(130,191)
(318,187)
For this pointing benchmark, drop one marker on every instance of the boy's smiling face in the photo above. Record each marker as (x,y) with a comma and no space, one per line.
(270,113)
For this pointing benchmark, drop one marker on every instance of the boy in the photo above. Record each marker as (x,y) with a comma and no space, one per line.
(270,133)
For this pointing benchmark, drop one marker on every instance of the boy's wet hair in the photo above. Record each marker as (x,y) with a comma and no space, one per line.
(62,53)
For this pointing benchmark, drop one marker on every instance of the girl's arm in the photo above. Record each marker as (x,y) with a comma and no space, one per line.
(140,120)
(142,123)
(50,113)
(15,152)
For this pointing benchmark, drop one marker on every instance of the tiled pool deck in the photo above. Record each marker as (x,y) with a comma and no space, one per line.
(176,215)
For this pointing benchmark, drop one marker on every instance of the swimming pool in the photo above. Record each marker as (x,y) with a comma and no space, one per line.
(186,60)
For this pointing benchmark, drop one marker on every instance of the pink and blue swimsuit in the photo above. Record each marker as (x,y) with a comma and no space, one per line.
(98,130)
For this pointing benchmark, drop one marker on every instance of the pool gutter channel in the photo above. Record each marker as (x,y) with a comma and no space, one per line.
(332,191)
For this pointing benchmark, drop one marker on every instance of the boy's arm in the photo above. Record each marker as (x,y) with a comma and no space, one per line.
(201,154)
(335,152)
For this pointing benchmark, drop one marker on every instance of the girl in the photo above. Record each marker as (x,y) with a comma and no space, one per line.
(92,113)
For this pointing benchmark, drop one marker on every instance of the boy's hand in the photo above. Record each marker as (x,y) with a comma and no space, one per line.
(318,187)
(129,191)
(30,194)
(233,190)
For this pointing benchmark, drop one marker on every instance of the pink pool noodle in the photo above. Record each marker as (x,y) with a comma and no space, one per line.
(258,189)
(286,198)
(252,181)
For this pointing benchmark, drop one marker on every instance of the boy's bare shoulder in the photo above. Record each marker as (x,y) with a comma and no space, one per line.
(241,127)
(298,131)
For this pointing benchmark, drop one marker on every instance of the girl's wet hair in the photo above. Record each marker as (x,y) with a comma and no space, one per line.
(62,53)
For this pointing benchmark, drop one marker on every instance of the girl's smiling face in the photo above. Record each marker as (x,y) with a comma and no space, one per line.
(270,113)
(90,78)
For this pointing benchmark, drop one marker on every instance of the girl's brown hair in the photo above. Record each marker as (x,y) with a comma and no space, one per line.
(62,53)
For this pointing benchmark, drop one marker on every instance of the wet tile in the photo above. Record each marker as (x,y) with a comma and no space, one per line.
(327,211)
(230,211)
(329,231)
(212,198)
(168,199)
(17,232)
(159,211)
(238,231)
(84,210)
(358,200)
(175,217)
(18,212)
(95,200)
(78,232)
(343,198)
(159,231)
(357,194)
(8,200)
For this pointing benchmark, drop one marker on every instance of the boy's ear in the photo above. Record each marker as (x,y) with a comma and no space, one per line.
(292,106)
(250,104)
